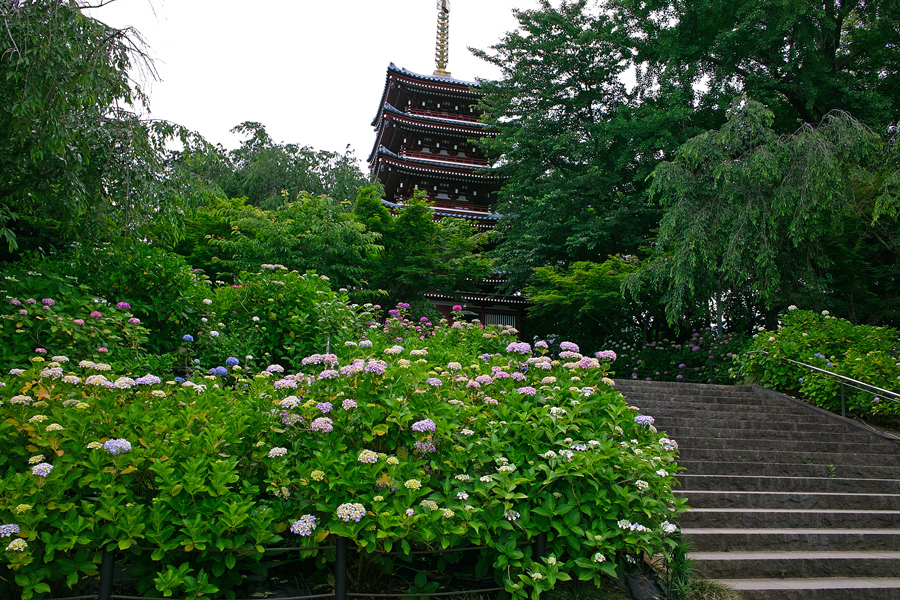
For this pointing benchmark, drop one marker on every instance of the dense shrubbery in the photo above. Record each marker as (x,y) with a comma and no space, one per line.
(703,358)
(410,434)
(868,354)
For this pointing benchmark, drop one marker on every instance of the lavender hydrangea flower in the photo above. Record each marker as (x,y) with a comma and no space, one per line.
(434,382)
(324,407)
(117,446)
(42,469)
(277,451)
(569,346)
(519,347)
(350,511)
(304,526)
(644,420)
(424,425)
(8,530)
(347,404)
(322,425)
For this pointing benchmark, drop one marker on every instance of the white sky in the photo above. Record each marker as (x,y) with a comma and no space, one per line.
(311,71)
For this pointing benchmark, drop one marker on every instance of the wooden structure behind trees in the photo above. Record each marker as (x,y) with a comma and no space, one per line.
(425,134)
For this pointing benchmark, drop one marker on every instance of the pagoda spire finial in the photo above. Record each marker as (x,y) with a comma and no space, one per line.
(442,48)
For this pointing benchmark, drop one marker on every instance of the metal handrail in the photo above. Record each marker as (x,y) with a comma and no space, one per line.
(868,388)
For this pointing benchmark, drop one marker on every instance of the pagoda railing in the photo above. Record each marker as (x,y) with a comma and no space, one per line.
(450,203)
(440,114)
(447,158)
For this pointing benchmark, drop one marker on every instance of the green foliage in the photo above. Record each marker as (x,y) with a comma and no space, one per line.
(802,60)
(574,141)
(191,482)
(420,254)
(274,315)
(311,233)
(75,164)
(585,302)
(754,219)
(868,354)
(704,357)
(268,174)
(50,315)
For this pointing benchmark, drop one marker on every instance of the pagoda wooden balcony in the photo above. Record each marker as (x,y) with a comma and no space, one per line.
(464,205)
(440,114)
(447,158)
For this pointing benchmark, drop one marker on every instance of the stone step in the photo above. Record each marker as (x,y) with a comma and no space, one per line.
(754,443)
(762,483)
(660,409)
(687,453)
(747,467)
(797,564)
(735,539)
(785,518)
(791,500)
(826,588)
(826,429)
(775,435)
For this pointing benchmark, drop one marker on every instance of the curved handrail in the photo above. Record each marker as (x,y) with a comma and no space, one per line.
(843,380)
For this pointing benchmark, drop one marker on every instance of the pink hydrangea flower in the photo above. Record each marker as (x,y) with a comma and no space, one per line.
(96,314)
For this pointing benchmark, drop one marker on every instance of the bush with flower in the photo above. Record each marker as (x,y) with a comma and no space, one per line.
(861,352)
(179,473)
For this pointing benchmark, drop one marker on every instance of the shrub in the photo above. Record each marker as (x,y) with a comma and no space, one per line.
(400,445)
(44,314)
(868,354)
(705,357)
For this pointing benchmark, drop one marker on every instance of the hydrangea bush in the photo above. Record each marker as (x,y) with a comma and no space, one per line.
(868,354)
(407,435)
(704,357)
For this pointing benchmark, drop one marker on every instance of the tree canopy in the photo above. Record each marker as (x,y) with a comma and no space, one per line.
(780,219)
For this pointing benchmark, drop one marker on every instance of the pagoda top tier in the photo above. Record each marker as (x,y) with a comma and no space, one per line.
(438,85)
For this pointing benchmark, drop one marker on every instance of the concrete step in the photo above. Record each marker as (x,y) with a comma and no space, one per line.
(738,539)
(776,435)
(826,429)
(755,443)
(811,456)
(799,564)
(826,588)
(762,483)
(747,467)
(791,500)
(785,518)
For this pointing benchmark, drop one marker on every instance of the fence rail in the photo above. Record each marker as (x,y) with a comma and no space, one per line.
(341,592)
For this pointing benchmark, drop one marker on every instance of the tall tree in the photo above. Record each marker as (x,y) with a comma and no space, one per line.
(76,163)
(266,172)
(801,58)
(574,140)
(765,220)
(420,254)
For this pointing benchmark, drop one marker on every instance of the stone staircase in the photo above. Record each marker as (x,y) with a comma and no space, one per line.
(788,501)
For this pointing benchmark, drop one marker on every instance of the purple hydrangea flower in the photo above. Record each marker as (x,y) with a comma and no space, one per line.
(232,362)
(8,530)
(117,446)
(324,407)
(41,469)
(434,382)
(347,404)
(322,425)
(123,306)
(220,371)
(304,526)
(424,425)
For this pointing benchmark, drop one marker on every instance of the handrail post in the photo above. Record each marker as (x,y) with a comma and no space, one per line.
(106,575)
(340,568)
(843,402)
(540,548)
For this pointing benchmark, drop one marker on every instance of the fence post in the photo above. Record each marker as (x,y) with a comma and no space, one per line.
(540,548)
(843,402)
(106,575)
(340,569)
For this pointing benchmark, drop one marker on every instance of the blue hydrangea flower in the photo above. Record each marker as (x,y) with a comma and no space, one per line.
(188,338)
(232,362)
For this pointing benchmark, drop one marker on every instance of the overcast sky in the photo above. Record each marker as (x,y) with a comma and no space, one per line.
(311,71)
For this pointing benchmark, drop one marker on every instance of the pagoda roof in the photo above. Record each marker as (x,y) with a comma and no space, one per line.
(443,83)
(428,124)
(420,165)
(458,213)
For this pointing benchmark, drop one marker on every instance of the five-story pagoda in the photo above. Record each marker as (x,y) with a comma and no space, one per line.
(426,128)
